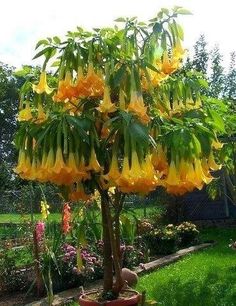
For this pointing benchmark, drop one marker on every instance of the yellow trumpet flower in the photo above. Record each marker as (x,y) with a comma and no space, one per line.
(21,162)
(200,176)
(173,177)
(137,106)
(93,163)
(212,164)
(41,114)
(79,194)
(217,145)
(106,106)
(42,86)
(178,51)
(168,65)
(114,172)
(25,114)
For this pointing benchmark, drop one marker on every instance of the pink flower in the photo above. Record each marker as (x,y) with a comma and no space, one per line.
(39,230)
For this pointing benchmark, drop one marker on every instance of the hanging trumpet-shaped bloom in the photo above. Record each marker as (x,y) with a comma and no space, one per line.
(93,163)
(42,86)
(25,114)
(66,91)
(137,107)
(78,194)
(200,175)
(153,78)
(60,173)
(212,164)
(122,100)
(114,172)
(168,64)
(159,160)
(141,177)
(217,145)
(93,84)
(149,179)
(106,106)
(178,51)
(41,114)
(173,178)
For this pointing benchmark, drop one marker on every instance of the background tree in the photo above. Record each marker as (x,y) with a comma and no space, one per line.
(217,77)
(230,80)
(8,111)
(201,55)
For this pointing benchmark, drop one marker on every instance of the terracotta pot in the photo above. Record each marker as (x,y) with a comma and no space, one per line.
(131,301)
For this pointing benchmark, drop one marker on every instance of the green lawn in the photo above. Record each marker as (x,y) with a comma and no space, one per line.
(18,218)
(206,278)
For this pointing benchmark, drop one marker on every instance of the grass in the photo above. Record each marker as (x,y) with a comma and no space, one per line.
(206,278)
(19,218)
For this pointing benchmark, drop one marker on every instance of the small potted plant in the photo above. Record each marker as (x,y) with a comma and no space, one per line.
(110,122)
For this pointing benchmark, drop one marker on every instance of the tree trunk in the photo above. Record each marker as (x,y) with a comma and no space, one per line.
(114,243)
(107,252)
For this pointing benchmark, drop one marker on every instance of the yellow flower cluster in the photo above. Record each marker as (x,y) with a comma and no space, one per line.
(91,85)
(186,175)
(44,210)
(169,63)
(137,177)
(168,109)
(54,167)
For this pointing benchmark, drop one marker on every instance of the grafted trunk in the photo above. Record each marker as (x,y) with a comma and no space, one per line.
(107,252)
(113,244)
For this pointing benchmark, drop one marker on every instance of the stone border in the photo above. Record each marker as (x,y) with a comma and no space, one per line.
(73,294)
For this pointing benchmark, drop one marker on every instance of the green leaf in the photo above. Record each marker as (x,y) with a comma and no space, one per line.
(150,66)
(157,27)
(183,11)
(56,39)
(165,10)
(55,64)
(196,145)
(139,132)
(41,42)
(120,19)
(119,75)
(218,121)
(43,52)
(178,121)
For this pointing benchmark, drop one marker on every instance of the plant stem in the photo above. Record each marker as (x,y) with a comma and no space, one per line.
(39,283)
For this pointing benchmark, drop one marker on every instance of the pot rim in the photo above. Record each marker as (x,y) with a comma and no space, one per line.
(136,295)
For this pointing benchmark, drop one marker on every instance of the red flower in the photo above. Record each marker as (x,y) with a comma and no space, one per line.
(66,216)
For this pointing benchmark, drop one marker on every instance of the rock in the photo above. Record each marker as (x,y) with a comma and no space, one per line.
(130,277)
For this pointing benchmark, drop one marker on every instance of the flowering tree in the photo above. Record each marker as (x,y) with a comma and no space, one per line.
(115,118)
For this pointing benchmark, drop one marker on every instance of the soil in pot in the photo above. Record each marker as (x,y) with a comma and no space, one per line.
(126,298)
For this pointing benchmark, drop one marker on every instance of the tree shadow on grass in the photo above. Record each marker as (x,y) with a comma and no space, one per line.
(218,288)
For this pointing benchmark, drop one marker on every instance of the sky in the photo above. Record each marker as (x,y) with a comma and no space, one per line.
(24,22)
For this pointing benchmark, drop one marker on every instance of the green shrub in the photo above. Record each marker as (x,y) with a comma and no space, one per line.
(187,234)
(162,241)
